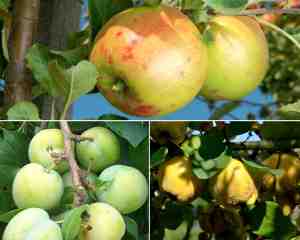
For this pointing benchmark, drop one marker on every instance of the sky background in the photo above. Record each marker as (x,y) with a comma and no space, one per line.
(95,105)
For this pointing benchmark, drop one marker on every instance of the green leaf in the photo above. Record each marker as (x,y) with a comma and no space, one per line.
(290,111)
(139,156)
(6,217)
(227,6)
(133,132)
(204,174)
(267,220)
(76,81)
(14,148)
(159,156)
(72,223)
(6,202)
(101,11)
(257,167)
(131,229)
(7,174)
(4,4)
(38,58)
(74,56)
(23,111)
(226,108)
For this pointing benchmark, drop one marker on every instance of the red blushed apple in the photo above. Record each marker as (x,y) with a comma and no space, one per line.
(151,60)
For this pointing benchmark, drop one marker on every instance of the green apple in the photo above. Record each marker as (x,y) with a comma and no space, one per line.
(36,186)
(238,58)
(126,188)
(104,222)
(32,223)
(44,143)
(151,60)
(100,152)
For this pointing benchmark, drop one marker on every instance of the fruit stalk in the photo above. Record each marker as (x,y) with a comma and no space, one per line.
(24,28)
(74,168)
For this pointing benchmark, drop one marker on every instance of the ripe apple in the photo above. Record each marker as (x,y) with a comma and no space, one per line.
(100,152)
(104,222)
(36,186)
(238,58)
(32,223)
(151,60)
(126,190)
(44,143)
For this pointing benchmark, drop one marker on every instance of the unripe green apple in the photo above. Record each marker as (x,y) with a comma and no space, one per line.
(32,224)
(44,143)
(36,186)
(100,152)
(127,188)
(104,222)
(22,223)
(238,58)
(46,230)
(151,60)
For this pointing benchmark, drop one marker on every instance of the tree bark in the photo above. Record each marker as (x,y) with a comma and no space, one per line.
(24,27)
(58,18)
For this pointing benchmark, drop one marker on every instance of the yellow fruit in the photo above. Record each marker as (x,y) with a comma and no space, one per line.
(286,205)
(176,177)
(290,164)
(234,185)
(174,132)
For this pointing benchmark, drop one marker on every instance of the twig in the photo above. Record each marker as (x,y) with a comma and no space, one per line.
(267,145)
(75,170)
(261,11)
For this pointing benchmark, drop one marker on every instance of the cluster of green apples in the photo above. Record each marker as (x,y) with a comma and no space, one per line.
(154,60)
(39,186)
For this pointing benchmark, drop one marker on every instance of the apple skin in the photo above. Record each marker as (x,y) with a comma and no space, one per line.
(32,223)
(100,153)
(127,189)
(42,144)
(36,186)
(105,223)
(238,58)
(156,53)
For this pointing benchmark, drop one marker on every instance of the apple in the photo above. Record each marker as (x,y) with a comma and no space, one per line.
(44,143)
(32,223)
(100,152)
(36,186)
(238,58)
(151,60)
(126,188)
(104,222)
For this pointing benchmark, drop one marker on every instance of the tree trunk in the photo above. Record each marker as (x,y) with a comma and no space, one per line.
(24,27)
(58,18)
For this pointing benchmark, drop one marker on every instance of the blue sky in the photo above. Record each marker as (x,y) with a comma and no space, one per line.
(95,105)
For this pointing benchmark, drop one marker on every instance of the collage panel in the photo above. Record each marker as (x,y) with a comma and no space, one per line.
(195,59)
(74,180)
(221,180)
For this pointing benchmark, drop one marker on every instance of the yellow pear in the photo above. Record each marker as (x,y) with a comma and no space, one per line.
(176,177)
(290,164)
(234,185)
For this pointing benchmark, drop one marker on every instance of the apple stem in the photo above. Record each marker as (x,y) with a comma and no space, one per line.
(118,86)
(74,168)
(78,138)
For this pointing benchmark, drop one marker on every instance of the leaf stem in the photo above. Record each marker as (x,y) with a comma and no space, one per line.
(279,30)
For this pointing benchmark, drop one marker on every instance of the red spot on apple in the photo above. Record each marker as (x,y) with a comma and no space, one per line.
(110,61)
(127,53)
(146,110)
(119,34)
